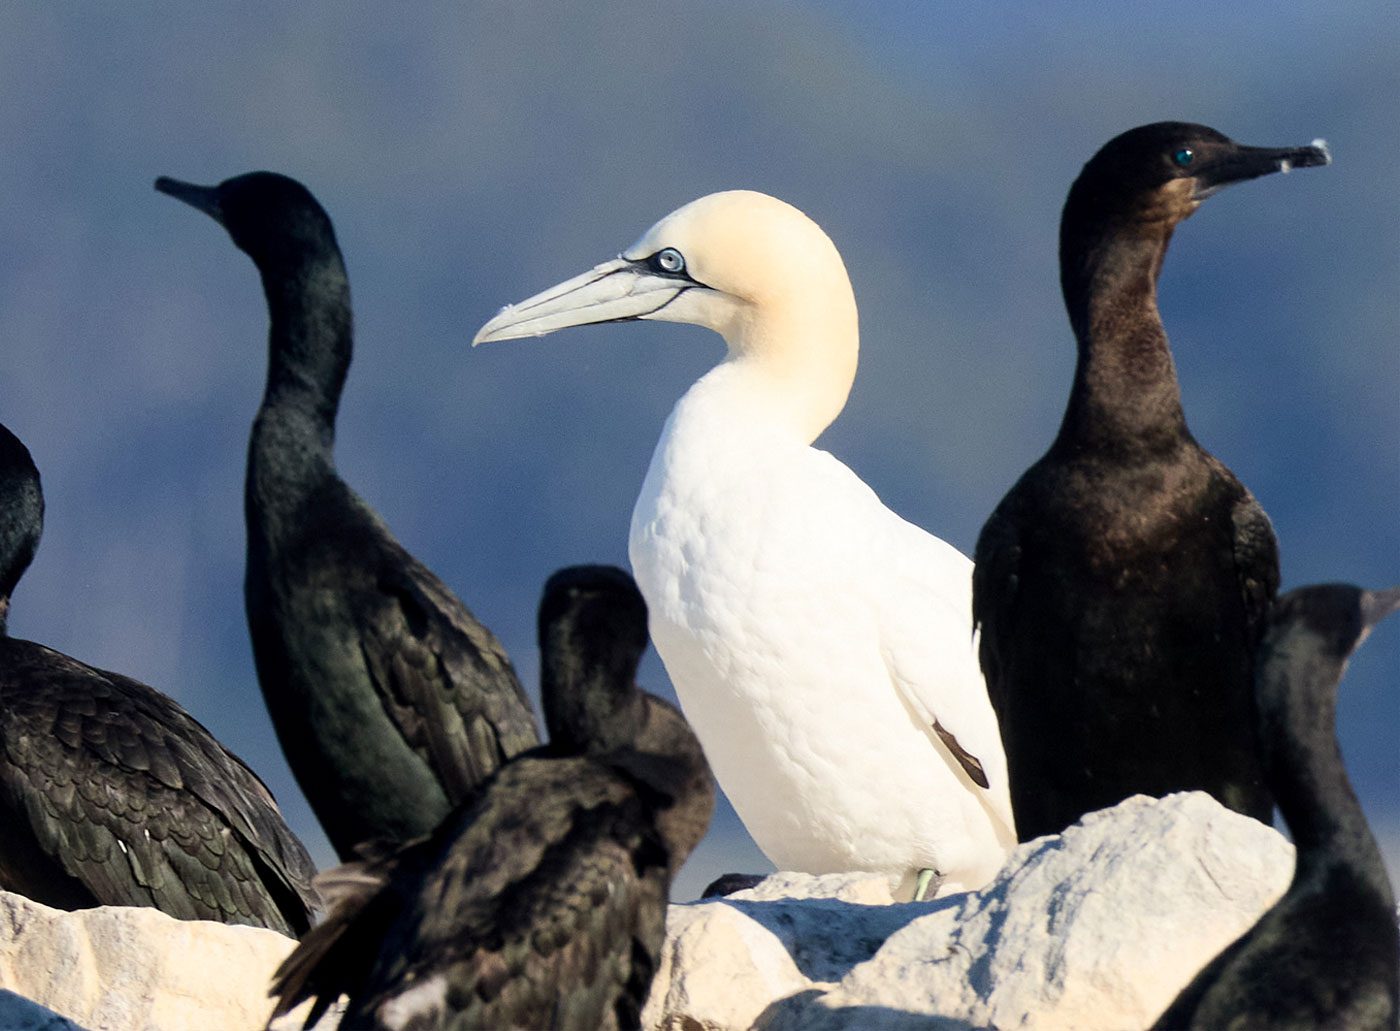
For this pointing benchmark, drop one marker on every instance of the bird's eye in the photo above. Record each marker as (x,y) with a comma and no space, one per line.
(668,260)
(1184,156)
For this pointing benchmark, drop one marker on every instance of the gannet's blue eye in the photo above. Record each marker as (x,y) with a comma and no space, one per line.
(668,260)
(1184,156)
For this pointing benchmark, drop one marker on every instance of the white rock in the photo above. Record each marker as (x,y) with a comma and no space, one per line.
(738,955)
(124,968)
(1096,928)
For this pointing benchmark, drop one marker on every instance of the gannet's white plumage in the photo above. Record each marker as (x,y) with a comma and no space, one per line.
(821,645)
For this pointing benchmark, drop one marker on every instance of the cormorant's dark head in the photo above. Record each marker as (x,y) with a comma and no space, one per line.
(1332,618)
(1120,213)
(592,632)
(21,515)
(1158,174)
(271,217)
(1311,633)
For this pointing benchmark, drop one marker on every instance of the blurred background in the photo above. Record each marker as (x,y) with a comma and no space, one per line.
(473,154)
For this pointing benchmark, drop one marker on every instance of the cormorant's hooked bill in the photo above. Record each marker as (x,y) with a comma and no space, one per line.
(202,198)
(1188,160)
(1375,606)
(1239,163)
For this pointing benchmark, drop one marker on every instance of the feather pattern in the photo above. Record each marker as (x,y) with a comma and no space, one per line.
(541,902)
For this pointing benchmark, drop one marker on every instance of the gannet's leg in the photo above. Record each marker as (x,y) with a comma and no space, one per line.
(921,887)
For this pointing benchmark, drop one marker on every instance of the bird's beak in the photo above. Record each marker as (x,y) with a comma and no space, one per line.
(615,291)
(1241,163)
(205,198)
(1376,605)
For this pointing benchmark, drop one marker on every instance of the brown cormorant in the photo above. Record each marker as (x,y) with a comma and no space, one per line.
(1121,585)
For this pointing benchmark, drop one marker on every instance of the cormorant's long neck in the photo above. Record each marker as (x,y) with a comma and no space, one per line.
(309,338)
(1304,770)
(309,351)
(1125,388)
(590,702)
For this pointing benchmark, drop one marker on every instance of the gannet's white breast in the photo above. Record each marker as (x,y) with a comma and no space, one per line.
(812,636)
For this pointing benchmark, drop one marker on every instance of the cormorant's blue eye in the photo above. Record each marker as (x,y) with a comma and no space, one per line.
(668,259)
(1184,156)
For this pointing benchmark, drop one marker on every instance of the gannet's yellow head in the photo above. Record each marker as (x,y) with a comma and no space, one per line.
(752,268)
(721,262)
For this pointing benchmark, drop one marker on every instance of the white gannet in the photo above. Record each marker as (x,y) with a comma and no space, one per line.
(821,646)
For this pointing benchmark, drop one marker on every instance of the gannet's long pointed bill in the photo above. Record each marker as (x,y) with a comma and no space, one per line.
(616,291)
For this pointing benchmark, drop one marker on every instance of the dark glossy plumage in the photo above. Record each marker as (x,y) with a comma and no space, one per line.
(542,903)
(110,793)
(391,701)
(1122,583)
(1328,953)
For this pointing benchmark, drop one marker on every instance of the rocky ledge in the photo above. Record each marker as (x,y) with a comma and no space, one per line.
(1096,928)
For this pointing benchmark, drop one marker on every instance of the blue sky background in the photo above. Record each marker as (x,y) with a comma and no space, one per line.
(472,154)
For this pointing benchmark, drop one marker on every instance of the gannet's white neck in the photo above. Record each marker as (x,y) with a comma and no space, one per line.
(797,355)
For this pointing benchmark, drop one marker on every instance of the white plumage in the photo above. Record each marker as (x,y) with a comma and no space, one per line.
(814,637)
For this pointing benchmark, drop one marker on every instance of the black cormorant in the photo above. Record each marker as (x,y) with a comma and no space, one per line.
(391,701)
(542,903)
(1121,585)
(113,795)
(1328,953)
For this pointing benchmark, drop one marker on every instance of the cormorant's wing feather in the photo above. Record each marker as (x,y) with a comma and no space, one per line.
(135,799)
(227,786)
(995,578)
(1256,562)
(507,901)
(444,678)
(335,956)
